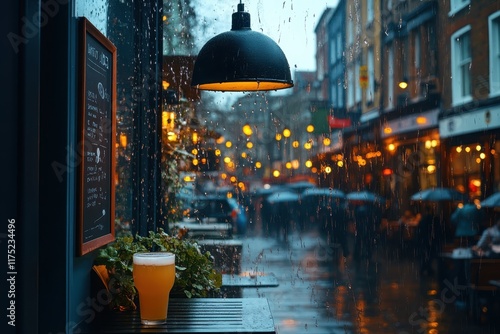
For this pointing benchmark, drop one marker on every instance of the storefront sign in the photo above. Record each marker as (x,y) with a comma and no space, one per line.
(97,94)
(476,121)
(338,123)
(420,121)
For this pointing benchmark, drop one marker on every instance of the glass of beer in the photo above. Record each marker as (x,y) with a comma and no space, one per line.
(154,275)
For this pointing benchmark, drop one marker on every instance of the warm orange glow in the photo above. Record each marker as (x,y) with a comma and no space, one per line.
(327,141)
(421,120)
(308,163)
(258,164)
(247,130)
(249,145)
(278,136)
(220,140)
(295,144)
(387,172)
(229,144)
(387,130)
(391,147)
(287,133)
(276,173)
(123,140)
(310,128)
(195,137)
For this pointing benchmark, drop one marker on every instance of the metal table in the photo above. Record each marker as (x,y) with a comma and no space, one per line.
(195,315)
(232,284)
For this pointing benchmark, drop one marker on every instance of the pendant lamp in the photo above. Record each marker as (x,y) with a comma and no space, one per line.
(241,60)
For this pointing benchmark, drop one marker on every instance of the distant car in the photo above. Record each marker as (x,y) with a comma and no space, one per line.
(219,209)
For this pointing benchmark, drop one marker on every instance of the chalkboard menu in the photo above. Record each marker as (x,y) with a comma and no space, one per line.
(97,107)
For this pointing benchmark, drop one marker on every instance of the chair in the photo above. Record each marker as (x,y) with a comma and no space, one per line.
(481,292)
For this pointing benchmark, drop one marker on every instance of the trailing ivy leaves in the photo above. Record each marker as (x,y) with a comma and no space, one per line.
(195,274)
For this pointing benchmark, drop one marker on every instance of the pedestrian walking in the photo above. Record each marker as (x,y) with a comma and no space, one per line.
(428,240)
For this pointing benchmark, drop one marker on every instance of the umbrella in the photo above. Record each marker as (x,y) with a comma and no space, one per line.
(300,186)
(439,194)
(282,197)
(491,201)
(327,192)
(364,196)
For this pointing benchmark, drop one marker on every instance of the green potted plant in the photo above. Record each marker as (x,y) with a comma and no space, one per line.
(195,273)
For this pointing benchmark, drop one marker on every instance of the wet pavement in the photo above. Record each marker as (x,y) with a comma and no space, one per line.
(322,292)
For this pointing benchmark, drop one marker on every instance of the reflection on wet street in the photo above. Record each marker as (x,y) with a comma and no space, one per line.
(321,292)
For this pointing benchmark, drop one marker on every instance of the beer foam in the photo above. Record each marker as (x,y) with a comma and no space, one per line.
(154,259)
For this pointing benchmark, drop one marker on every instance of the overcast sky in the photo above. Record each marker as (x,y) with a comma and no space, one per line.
(290,23)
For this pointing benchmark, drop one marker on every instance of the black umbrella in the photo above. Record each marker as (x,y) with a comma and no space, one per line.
(492,201)
(439,194)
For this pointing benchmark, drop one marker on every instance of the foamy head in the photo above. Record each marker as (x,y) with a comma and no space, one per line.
(154,259)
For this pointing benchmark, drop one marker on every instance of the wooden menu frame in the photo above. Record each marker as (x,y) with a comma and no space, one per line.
(96,140)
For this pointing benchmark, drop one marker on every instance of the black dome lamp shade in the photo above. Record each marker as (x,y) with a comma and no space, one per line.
(241,60)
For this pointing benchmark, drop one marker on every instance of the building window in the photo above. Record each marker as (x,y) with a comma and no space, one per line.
(371,76)
(357,94)
(461,61)
(495,152)
(369,12)
(457,5)
(466,161)
(494,28)
(333,52)
(339,46)
(350,31)
(350,87)
(340,94)
(390,78)
(417,50)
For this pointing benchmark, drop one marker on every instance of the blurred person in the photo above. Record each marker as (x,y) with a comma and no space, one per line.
(428,239)
(467,221)
(489,243)
(365,218)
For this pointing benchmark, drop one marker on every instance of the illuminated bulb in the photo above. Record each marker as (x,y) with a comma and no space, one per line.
(459,149)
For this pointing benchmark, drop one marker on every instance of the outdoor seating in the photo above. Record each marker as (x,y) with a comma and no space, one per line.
(481,291)
(232,285)
(195,315)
